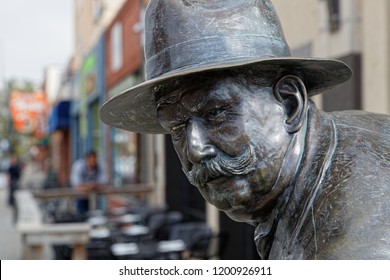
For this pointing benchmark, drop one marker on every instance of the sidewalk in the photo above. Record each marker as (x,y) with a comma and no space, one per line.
(10,240)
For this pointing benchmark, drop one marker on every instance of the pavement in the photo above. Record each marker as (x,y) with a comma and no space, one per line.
(10,239)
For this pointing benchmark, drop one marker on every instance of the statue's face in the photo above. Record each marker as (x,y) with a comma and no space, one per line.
(230,140)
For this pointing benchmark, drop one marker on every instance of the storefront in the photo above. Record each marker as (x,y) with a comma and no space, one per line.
(58,129)
(124,145)
(86,127)
(123,70)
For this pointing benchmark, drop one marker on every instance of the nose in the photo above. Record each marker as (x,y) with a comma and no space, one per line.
(199,146)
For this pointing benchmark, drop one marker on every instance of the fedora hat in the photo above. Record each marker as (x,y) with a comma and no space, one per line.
(186,37)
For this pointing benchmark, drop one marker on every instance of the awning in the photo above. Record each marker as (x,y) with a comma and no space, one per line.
(59,117)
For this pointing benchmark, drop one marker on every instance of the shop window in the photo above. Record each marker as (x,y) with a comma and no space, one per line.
(96,129)
(124,153)
(334,15)
(347,96)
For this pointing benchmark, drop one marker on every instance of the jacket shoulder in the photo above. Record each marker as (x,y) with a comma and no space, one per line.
(360,120)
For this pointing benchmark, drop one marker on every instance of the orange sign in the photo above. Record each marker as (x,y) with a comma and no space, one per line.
(28,111)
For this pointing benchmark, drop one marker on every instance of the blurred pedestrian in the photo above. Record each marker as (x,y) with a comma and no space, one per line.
(88,175)
(14,171)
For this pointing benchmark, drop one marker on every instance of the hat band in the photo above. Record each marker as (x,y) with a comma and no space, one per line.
(225,49)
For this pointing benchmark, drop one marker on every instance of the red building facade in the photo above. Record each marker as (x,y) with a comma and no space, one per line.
(124,68)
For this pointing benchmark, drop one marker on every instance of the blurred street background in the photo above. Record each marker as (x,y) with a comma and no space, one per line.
(10,238)
(61,60)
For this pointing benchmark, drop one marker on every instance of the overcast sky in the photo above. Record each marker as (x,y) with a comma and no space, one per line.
(34,34)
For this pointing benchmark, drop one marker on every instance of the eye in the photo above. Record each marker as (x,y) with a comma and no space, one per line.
(217,114)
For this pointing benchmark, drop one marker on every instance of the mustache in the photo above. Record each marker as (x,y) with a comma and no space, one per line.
(222,165)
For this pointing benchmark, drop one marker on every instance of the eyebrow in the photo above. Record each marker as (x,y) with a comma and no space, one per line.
(170,99)
(176,94)
(195,109)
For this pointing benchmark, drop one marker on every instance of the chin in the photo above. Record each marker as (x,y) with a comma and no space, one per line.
(235,197)
(240,215)
(241,212)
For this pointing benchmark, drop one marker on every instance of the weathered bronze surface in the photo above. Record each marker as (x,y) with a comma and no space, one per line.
(222,82)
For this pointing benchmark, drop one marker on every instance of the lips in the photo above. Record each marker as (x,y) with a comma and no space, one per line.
(226,192)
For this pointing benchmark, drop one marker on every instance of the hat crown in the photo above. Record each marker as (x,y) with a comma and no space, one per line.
(184,37)
(182,34)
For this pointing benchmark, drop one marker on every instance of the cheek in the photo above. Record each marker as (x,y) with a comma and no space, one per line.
(265,123)
(231,138)
(181,151)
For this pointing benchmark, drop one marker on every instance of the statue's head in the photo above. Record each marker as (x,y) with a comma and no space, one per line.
(232,130)
(221,80)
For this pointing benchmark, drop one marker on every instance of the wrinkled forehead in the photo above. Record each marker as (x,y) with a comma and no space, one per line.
(177,106)
(210,85)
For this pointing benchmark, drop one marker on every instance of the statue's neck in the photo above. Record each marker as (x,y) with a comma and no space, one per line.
(274,203)
(299,179)
(321,145)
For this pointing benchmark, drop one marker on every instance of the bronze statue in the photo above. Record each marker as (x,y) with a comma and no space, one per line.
(221,80)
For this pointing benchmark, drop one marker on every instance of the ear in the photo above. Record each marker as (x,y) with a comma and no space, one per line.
(291,92)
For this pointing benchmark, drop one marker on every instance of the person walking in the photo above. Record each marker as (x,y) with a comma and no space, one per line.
(14,171)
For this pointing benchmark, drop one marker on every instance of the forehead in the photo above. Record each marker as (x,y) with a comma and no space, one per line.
(194,92)
(218,85)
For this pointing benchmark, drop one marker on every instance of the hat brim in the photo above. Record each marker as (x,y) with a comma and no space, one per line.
(135,108)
